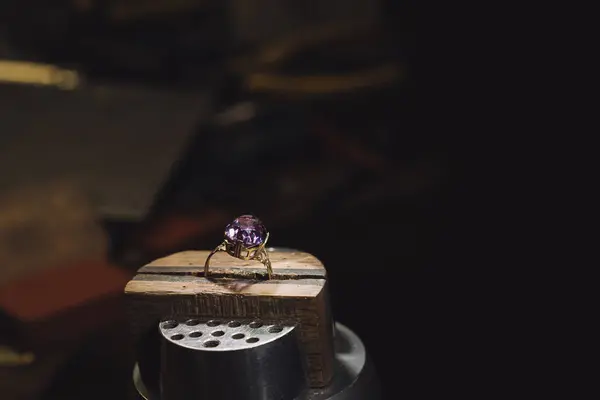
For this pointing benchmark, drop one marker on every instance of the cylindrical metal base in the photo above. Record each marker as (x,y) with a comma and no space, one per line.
(230,360)
(270,367)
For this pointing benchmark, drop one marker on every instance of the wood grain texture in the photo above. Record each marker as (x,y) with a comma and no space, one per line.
(173,287)
(285,265)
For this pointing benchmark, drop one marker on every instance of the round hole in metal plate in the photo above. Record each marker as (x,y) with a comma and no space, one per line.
(234,324)
(255,324)
(213,322)
(192,322)
(218,333)
(238,336)
(195,334)
(252,340)
(169,324)
(179,336)
(211,343)
(275,329)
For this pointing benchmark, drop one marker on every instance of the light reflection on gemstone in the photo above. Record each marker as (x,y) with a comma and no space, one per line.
(246,229)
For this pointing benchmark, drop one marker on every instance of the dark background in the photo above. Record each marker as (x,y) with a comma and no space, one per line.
(352,177)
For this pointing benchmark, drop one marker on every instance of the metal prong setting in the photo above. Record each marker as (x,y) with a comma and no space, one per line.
(237,250)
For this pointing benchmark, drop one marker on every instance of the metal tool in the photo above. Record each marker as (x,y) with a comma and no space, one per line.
(252,360)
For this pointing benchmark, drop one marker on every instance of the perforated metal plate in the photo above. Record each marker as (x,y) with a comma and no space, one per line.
(221,335)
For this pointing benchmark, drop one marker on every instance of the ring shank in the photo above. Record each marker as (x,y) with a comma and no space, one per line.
(260,254)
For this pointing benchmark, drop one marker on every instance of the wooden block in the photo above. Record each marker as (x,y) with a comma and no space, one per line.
(174,287)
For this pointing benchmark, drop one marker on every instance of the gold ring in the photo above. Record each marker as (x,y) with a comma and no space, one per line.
(245,239)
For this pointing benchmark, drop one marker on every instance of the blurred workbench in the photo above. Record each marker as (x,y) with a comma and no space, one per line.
(107,139)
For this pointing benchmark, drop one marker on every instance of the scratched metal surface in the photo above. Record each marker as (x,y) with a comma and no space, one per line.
(221,335)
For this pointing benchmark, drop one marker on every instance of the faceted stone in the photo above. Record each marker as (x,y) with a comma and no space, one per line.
(246,229)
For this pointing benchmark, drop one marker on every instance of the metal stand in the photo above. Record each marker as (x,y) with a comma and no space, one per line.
(249,362)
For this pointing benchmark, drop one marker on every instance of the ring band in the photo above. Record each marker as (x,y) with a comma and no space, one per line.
(245,239)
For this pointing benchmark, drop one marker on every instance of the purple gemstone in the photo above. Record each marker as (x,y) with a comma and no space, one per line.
(246,229)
